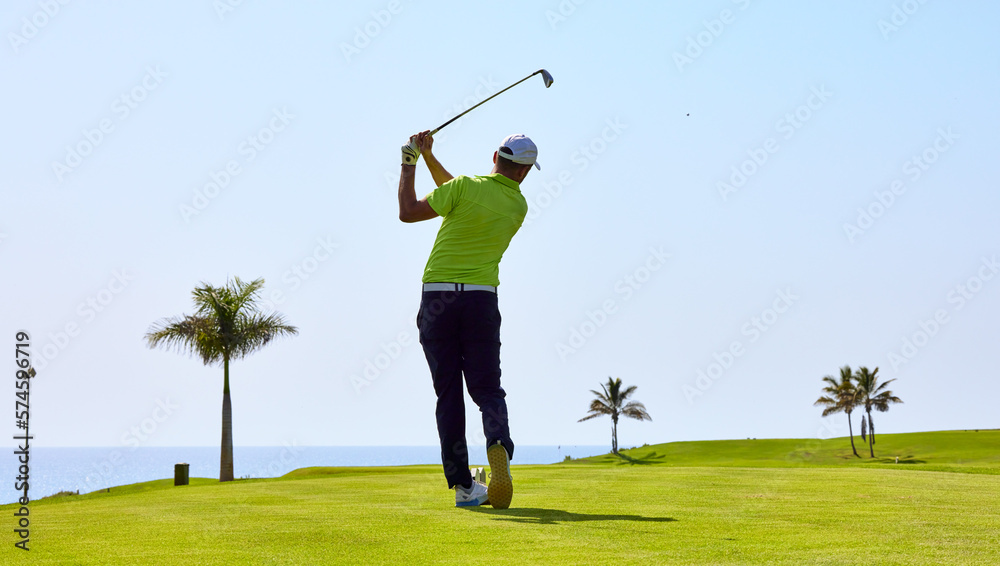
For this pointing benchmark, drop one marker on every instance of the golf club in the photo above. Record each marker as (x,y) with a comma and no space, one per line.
(545,77)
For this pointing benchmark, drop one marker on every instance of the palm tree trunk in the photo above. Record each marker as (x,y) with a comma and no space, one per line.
(850,431)
(614,436)
(226,459)
(871,437)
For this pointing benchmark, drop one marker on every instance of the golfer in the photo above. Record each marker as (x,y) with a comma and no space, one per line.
(459,320)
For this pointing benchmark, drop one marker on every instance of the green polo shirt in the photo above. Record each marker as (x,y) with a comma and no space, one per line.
(481,215)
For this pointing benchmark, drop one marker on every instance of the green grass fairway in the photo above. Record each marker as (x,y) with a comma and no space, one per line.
(951,451)
(576,513)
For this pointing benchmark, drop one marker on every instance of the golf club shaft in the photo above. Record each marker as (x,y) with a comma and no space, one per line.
(437,129)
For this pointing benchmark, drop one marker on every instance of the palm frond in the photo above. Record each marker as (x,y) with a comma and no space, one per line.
(255,331)
(244,294)
(188,335)
(600,395)
(884,399)
(637,411)
(590,416)
(227,323)
(881,387)
(825,400)
(607,393)
(598,408)
(601,407)
(832,384)
(613,388)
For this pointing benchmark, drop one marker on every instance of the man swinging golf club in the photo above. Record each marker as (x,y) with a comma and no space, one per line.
(458,319)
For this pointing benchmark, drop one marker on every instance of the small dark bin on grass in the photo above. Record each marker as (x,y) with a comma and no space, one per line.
(181,474)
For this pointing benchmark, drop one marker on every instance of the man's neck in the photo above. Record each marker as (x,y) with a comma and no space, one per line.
(496,172)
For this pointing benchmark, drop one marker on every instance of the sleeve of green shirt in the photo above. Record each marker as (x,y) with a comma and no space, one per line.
(444,199)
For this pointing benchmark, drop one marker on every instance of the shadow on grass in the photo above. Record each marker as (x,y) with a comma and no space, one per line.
(652,458)
(535,516)
(902,460)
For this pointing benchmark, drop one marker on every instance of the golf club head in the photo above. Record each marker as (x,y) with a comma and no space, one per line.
(546,77)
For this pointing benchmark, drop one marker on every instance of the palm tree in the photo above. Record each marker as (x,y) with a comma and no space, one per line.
(840,396)
(874,395)
(227,325)
(614,401)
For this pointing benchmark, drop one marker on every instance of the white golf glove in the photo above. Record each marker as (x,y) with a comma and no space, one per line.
(411,152)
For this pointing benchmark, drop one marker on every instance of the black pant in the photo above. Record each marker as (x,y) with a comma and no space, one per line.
(460,333)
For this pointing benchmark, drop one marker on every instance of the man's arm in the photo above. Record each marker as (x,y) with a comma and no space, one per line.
(425,143)
(411,209)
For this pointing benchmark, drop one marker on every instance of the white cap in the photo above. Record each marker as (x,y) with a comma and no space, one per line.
(522,149)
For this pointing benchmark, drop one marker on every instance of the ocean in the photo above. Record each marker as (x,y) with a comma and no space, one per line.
(52,470)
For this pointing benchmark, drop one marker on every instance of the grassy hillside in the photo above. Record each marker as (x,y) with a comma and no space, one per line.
(597,511)
(958,451)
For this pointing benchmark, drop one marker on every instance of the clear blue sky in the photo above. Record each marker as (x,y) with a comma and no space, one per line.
(779,188)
